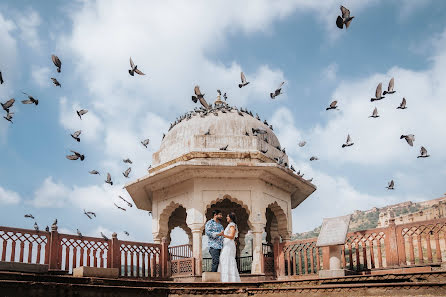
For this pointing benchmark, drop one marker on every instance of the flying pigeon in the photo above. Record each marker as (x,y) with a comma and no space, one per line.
(30,100)
(8,116)
(76,134)
(89,214)
(410,138)
(36,227)
(402,105)
(127,172)
(94,172)
(244,82)
(56,82)
(314,158)
(200,97)
(391,185)
(128,203)
(127,161)
(8,104)
(108,180)
(119,207)
(145,142)
(81,112)
(75,156)
(56,62)
(78,233)
(224,148)
(30,216)
(348,142)
(302,143)
(226,98)
(1,78)
(103,236)
(277,92)
(423,153)
(126,233)
(390,87)
(378,93)
(345,19)
(332,105)
(374,114)
(134,69)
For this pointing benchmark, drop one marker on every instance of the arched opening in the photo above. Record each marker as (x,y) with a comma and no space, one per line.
(177,221)
(276,223)
(227,205)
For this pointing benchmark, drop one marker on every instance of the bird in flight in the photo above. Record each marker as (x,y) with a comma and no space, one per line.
(374,114)
(75,156)
(200,97)
(390,87)
(56,62)
(278,91)
(134,69)
(30,100)
(94,172)
(8,104)
(89,214)
(76,135)
(127,172)
(119,207)
(302,143)
(128,203)
(56,82)
(29,216)
(145,142)
(126,233)
(423,153)
(1,78)
(345,19)
(314,158)
(391,185)
(332,105)
(402,105)
(127,161)
(8,116)
(244,82)
(81,112)
(378,93)
(348,142)
(410,138)
(108,180)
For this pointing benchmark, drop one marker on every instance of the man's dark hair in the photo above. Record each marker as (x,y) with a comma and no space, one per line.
(215,212)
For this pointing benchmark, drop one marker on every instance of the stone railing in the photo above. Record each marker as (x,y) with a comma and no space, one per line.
(64,252)
(396,246)
(181,261)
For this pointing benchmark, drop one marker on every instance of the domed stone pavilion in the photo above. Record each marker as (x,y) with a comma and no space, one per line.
(221,158)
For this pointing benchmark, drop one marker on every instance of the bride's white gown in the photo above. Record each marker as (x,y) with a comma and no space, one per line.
(228,265)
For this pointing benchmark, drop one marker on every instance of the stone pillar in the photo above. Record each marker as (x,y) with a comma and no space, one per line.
(197,248)
(257,253)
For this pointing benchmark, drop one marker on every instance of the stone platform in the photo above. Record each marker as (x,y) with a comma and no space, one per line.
(415,284)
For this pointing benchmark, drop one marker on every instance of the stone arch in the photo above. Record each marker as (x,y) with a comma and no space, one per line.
(166,224)
(232,199)
(178,219)
(277,222)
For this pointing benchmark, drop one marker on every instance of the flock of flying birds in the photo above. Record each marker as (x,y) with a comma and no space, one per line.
(76,136)
(342,21)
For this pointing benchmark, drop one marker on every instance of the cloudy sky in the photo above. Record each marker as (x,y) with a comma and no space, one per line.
(179,44)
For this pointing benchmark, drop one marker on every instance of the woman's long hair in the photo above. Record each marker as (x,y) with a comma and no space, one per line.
(233,217)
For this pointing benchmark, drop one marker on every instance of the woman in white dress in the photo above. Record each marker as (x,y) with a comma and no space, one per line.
(228,266)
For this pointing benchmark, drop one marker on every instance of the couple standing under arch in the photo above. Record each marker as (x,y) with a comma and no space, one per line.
(222,245)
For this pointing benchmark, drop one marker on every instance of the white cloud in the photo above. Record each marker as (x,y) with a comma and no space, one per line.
(50,194)
(41,75)
(9,197)
(28,23)
(330,72)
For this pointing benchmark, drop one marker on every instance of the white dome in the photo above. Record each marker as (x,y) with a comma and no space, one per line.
(225,129)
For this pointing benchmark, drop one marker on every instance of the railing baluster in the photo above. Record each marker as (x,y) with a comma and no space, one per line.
(149,266)
(22,248)
(300,263)
(81,257)
(293,270)
(88,257)
(358,262)
(312,270)
(350,255)
(125,264)
(12,258)
(131,263)
(30,251)
(372,254)
(411,251)
(437,247)
(143,264)
(95,257)
(67,259)
(429,248)
(289,262)
(420,249)
(39,249)
(305,261)
(380,256)
(153,265)
(5,242)
(74,257)
(364,254)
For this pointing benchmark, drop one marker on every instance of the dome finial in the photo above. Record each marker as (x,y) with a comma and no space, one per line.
(218,100)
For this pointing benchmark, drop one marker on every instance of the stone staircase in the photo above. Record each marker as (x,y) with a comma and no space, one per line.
(399,284)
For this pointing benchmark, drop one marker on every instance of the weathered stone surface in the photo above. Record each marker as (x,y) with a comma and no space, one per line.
(211,277)
(332,273)
(85,271)
(23,267)
(333,231)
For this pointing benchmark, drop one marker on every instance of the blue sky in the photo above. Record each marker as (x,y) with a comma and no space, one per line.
(209,43)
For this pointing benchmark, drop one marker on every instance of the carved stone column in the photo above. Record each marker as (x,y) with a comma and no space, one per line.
(257,253)
(197,248)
